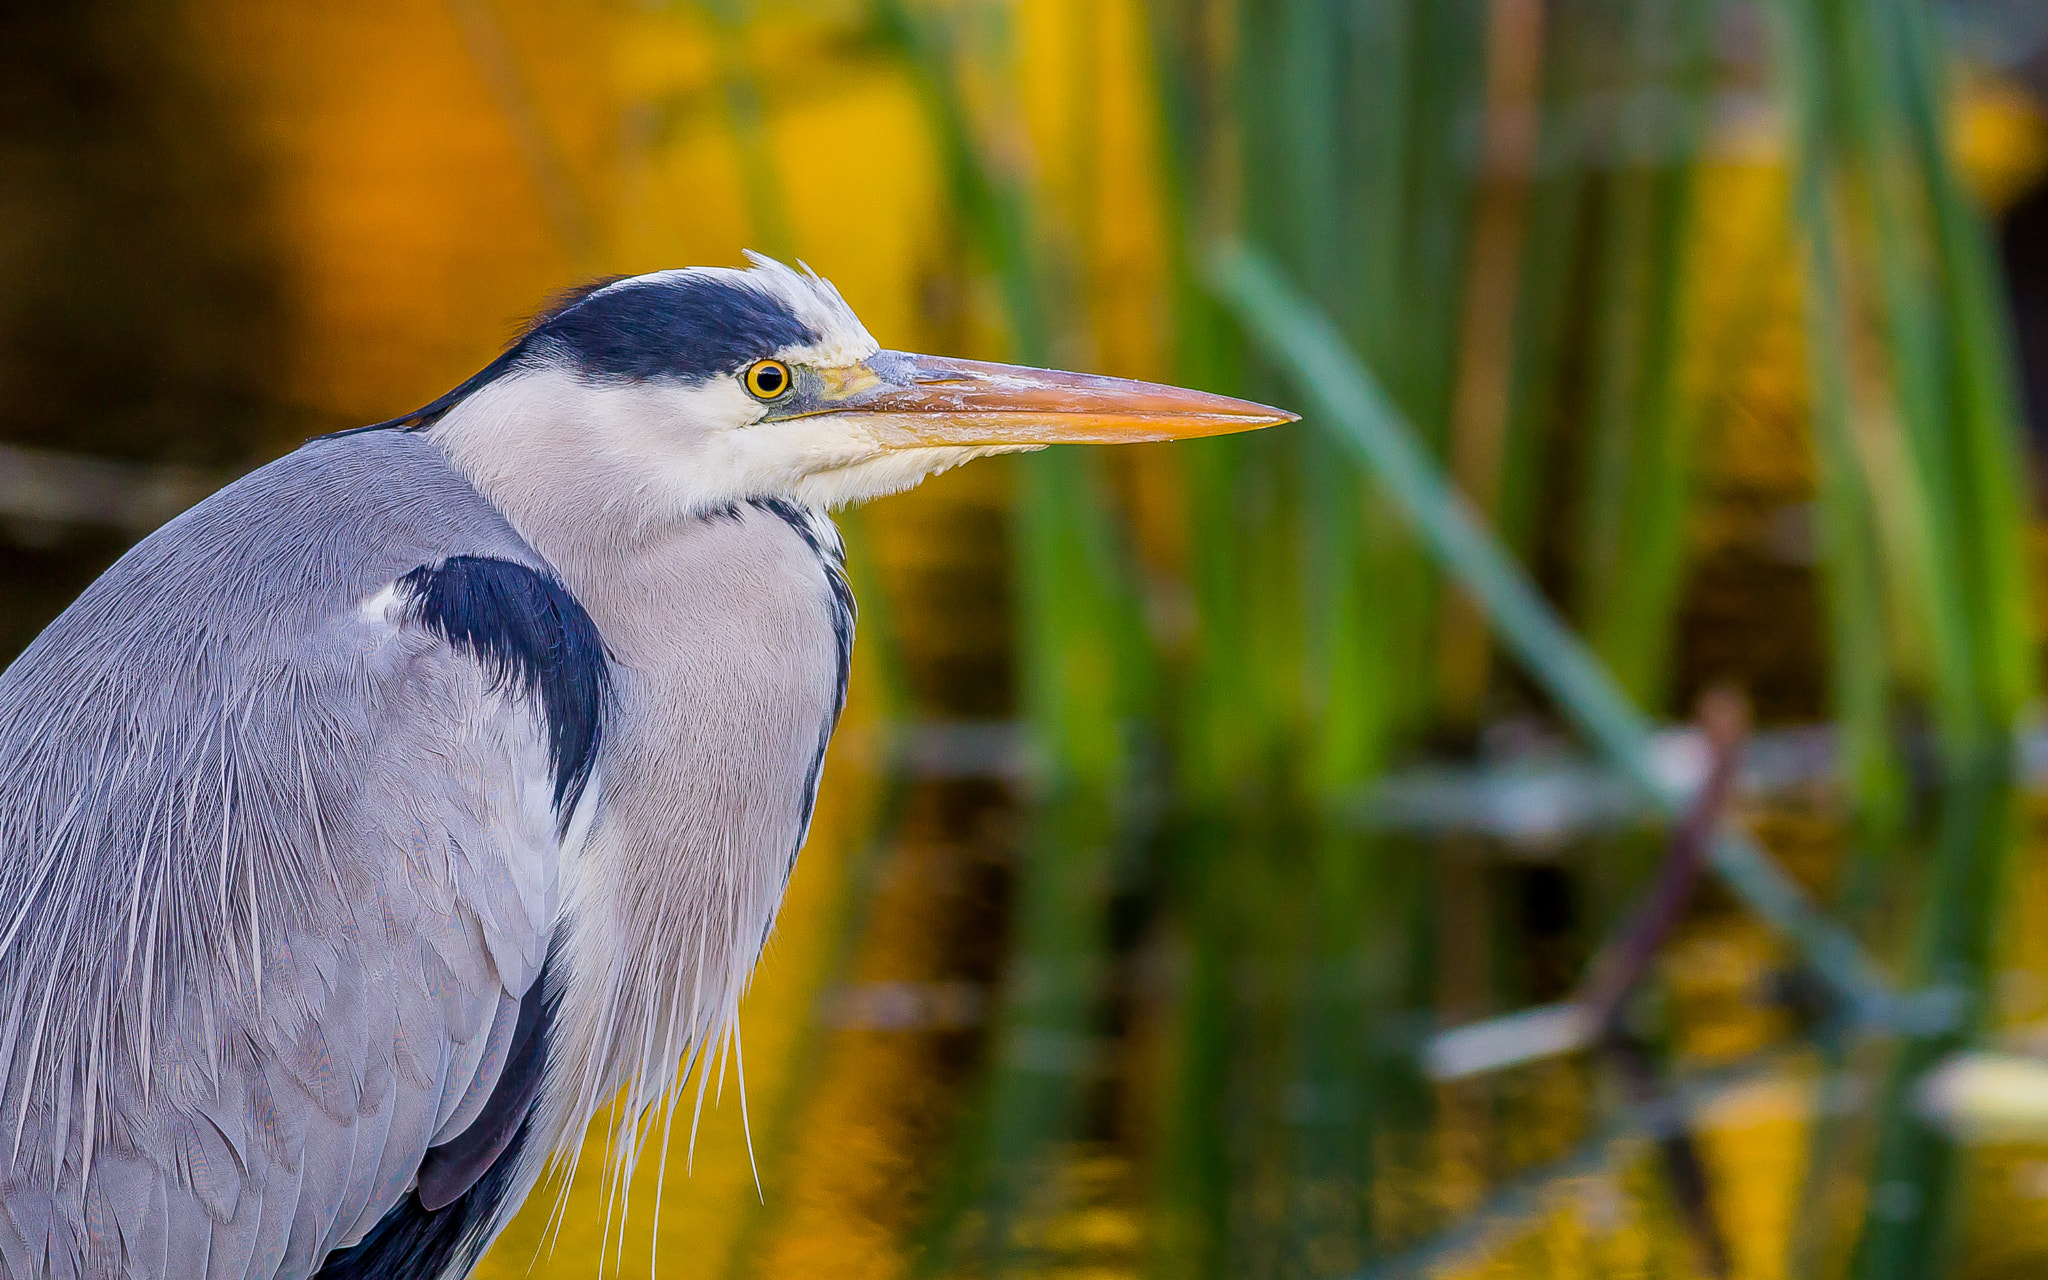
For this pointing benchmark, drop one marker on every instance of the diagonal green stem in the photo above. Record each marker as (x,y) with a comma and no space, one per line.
(1304,343)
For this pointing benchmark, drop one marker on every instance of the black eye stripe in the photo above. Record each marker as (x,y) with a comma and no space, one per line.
(690,327)
(665,325)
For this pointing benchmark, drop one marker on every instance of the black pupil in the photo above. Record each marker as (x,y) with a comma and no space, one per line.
(768,379)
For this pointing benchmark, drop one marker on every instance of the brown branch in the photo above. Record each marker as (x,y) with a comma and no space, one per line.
(1625,960)
(1621,964)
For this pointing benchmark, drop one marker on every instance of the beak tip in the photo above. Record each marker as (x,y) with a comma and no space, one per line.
(1270,416)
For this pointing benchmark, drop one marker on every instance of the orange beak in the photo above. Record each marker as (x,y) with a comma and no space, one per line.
(914,401)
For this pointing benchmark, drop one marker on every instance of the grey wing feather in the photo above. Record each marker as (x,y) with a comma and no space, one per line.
(276,865)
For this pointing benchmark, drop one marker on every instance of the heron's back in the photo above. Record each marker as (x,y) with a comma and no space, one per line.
(188,847)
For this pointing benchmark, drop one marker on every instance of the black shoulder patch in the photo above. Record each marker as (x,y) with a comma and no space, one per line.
(531,634)
(443,1224)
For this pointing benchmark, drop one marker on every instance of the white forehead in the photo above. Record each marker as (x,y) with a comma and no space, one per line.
(842,338)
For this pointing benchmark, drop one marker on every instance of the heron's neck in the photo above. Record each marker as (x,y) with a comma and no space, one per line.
(730,639)
(584,473)
(728,628)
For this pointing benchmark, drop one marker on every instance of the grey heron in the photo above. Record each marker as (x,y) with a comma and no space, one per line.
(370,825)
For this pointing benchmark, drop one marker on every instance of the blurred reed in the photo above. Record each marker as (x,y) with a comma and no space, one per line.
(1497,204)
(1915,408)
(1504,210)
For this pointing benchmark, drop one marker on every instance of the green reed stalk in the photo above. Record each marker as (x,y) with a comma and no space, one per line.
(1082,678)
(1855,579)
(1881,209)
(1644,453)
(1350,129)
(1217,708)
(1551,257)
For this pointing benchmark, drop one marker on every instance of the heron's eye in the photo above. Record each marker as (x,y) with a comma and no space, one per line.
(767,379)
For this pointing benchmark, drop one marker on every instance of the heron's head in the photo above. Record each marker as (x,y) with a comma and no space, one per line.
(695,388)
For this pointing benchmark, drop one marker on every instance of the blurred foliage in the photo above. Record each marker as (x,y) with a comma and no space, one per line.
(1500,208)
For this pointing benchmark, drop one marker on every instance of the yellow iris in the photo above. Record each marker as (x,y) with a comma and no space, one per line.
(767,379)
